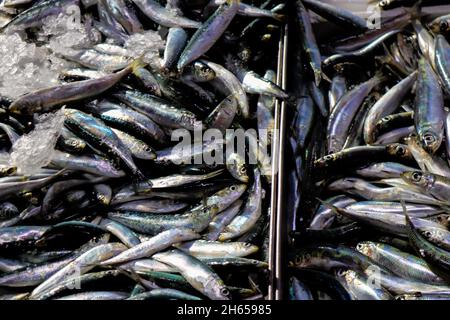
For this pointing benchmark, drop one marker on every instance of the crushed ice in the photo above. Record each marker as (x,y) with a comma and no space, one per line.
(35,150)
(25,67)
(66,31)
(146,44)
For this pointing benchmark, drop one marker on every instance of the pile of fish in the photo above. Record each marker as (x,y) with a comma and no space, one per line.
(98,199)
(370,136)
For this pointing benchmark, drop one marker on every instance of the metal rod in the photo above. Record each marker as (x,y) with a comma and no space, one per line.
(273,281)
(281,215)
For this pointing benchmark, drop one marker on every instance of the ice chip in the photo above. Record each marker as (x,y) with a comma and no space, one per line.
(146,44)
(66,31)
(35,150)
(24,67)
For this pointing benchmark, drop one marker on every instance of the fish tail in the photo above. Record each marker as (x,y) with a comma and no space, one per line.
(139,178)
(329,206)
(280,17)
(137,64)
(416,10)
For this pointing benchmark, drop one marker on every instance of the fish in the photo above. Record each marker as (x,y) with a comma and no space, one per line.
(428,109)
(199,275)
(163,16)
(207,35)
(45,100)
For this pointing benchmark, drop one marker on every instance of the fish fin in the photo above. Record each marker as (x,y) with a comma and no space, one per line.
(416,10)
(280,17)
(138,177)
(326,78)
(336,210)
(409,223)
(138,63)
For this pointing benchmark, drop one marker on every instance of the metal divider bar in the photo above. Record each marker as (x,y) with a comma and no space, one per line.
(274,254)
(281,214)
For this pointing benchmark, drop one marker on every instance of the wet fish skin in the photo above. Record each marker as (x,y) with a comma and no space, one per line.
(250,212)
(384,170)
(134,123)
(325,216)
(223,115)
(176,40)
(336,14)
(163,16)
(443,62)
(225,78)
(164,294)
(398,262)
(152,206)
(199,275)
(157,243)
(139,149)
(204,248)
(96,166)
(160,111)
(126,17)
(337,90)
(80,265)
(207,35)
(127,236)
(309,42)
(359,286)
(386,105)
(45,100)
(100,136)
(219,223)
(429,108)
(344,112)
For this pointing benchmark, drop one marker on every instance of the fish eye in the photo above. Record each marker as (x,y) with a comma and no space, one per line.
(429,138)
(205,210)
(233,188)
(148,149)
(341,273)
(328,157)
(243,170)
(224,292)
(443,25)
(383,3)
(359,246)
(400,150)
(416,176)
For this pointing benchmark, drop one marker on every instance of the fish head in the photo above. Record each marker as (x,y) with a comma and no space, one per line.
(399,150)
(418,178)
(201,72)
(366,248)
(247,248)
(217,290)
(430,141)
(384,4)
(237,167)
(325,161)
(439,25)
(25,106)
